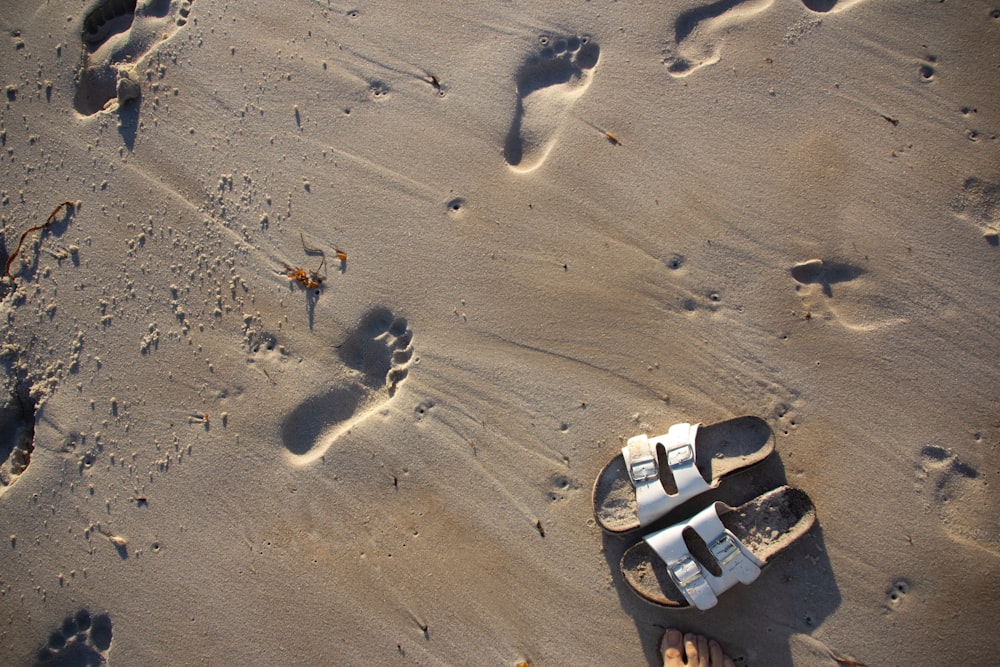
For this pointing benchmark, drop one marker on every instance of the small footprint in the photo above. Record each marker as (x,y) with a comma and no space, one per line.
(698,33)
(17,435)
(379,352)
(896,593)
(560,488)
(423,408)
(547,85)
(115,34)
(261,342)
(979,202)
(80,640)
(961,498)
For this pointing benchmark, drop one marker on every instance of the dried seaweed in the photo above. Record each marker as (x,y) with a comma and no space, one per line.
(68,205)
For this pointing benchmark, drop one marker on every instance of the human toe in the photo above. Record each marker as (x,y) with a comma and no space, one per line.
(696,648)
(670,646)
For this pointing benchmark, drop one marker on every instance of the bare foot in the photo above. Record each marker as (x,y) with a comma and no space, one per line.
(692,651)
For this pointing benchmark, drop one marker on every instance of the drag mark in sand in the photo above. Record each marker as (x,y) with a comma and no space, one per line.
(379,351)
(808,650)
(82,639)
(547,86)
(698,33)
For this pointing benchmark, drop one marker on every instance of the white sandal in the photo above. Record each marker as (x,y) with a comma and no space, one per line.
(735,544)
(635,488)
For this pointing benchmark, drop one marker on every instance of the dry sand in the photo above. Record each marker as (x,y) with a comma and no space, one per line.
(544,258)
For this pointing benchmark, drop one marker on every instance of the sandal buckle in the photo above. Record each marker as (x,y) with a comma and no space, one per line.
(679,455)
(644,469)
(724,549)
(686,572)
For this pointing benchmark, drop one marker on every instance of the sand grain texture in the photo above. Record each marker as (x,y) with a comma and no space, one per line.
(565,225)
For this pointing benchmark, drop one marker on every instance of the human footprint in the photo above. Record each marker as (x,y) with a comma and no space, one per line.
(698,33)
(378,352)
(547,86)
(692,651)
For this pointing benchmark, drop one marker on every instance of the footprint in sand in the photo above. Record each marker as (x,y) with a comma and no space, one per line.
(378,352)
(17,435)
(825,274)
(859,305)
(979,202)
(115,34)
(547,85)
(80,640)
(896,594)
(698,33)
(961,497)
(829,6)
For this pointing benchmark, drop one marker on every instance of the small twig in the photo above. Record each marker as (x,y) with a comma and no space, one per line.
(68,205)
(612,139)
(615,141)
(313,279)
(310,251)
(305,277)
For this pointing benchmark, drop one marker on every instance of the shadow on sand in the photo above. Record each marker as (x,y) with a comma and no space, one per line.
(796,591)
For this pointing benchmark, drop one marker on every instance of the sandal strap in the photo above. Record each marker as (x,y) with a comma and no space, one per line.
(640,454)
(738,563)
(699,586)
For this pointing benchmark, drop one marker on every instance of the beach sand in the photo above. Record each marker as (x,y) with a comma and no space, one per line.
(562,225)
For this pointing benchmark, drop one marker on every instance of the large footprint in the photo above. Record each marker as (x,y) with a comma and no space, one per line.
(962,498)
(378,351)
(818,272)
(115,35)
(698,33)
(857,308)
(547,86)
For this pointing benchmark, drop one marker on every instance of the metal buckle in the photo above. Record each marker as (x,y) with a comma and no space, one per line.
(644,469)
(724,549)
(679,455)
(686,572)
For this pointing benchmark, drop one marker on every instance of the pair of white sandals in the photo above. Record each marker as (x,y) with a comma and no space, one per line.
(689,564)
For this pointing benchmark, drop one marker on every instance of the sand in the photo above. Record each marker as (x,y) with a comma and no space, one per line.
(565,224)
